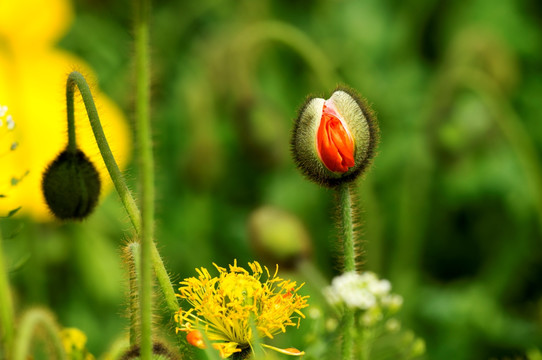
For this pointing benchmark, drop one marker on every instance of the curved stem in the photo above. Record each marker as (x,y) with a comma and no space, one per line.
(347,236)
(76,79)
(6,310)
(293,38)
(30,322)
(146,163)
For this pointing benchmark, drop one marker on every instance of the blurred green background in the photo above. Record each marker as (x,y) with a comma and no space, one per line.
(451,210)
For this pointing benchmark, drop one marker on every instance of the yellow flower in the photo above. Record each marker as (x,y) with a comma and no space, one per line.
(33,76)
(74,341)
(224,307)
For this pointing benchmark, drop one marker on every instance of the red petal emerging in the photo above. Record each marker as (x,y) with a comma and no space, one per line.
(334,142)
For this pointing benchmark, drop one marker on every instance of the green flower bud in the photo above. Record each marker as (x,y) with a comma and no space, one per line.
(71,186)
(334,140)
(278,236)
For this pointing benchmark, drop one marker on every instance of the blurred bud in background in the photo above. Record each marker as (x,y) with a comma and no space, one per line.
(278,237)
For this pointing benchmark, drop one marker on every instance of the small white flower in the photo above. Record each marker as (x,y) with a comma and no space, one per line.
(331,295)
(3,110)
(359,298)
(380,287)
(392,302)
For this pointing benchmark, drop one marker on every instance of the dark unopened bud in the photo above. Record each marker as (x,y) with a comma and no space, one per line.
(160,351)
(71,186)
(334,139)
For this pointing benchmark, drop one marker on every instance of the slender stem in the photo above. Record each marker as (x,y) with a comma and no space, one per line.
(348,334)
(6,310)
(141,31)
(132,256)
(76,79)
(290,36)
(347,235)
(164,281)
(30,322)
(347,227)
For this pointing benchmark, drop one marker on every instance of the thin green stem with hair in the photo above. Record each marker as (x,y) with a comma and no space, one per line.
(146,163)
(347,236)
(132,256)
(31,321)
(76,79)
(6,310)
(347,226)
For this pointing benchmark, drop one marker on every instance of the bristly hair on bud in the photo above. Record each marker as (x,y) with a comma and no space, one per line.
(71,185)
(160,351)
(334,140)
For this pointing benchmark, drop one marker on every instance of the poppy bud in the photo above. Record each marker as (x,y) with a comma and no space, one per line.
(71,186)
(160,351)
(278,237)
(334,139)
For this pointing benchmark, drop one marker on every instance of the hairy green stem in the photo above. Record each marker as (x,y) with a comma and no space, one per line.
(348,334)
(76,79)
(146,163)
(6,310)
(347,236)
(30,322)
(347,227)
(132,256)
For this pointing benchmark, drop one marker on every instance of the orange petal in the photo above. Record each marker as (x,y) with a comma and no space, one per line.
(334,142)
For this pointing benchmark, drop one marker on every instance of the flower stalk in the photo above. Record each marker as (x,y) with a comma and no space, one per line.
(347,236)
(146,163)
(6,310)
(30,322)
(347,226)
(76,79)
(132,255)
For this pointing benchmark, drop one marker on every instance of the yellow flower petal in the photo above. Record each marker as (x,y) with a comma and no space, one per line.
(287,351)
(31,24)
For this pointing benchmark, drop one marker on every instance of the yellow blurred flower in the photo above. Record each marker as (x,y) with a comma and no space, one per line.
(33,75)
(74,342)
(224,306)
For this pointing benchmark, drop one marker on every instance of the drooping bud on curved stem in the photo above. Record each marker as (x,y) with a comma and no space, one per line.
(71,185)
(334,140)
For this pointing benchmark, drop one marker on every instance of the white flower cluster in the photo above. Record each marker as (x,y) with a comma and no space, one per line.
(362,291)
